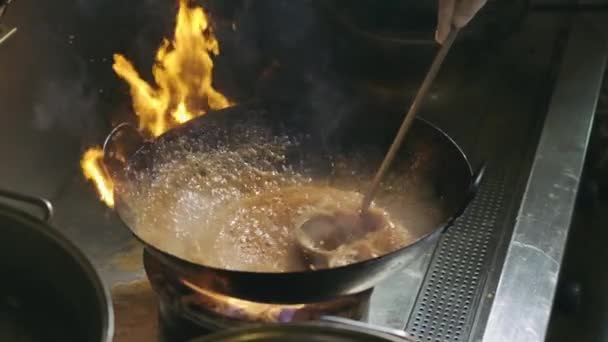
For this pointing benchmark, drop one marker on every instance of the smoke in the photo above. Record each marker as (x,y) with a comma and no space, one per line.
(67,107)
(297,35)
(282,51)
(78,94)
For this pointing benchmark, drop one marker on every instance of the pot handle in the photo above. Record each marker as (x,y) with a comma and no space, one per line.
(43,204)
(357,324)
(471,193)
(119,145)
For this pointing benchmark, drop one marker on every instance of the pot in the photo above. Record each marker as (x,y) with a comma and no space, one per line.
(429,159)
(330,330)
(49,290)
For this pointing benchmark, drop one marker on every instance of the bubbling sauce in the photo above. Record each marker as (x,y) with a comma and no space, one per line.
(257,232)
(237,208)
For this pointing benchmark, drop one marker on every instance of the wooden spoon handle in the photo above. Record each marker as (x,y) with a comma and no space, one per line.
(409,118)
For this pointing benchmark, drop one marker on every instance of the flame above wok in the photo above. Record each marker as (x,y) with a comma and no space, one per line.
(183,75)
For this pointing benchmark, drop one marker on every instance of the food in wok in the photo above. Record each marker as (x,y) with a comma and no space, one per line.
(236,206)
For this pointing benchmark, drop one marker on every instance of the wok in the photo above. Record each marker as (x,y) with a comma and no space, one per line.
(428,158)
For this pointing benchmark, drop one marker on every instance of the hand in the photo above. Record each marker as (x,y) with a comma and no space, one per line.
(455,13)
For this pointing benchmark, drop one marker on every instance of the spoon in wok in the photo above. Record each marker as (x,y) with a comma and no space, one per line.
(333,238)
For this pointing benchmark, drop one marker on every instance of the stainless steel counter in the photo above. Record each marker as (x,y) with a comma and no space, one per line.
(523,107)
(524,298)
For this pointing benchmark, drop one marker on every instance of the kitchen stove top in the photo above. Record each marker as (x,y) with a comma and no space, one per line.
(500,109)
(450,293)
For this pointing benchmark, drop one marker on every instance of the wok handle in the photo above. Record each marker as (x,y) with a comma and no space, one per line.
(471,193)
(43,204)
(357,324)
(119,145)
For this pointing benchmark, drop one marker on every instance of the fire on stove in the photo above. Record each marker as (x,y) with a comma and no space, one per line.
(187,308)
(248,311)
(183,72)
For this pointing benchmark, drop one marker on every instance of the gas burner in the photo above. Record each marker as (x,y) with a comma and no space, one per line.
(188,310)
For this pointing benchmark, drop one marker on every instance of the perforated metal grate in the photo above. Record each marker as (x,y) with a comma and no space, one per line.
(446,303)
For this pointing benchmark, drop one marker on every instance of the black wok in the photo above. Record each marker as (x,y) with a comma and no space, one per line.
(428,158)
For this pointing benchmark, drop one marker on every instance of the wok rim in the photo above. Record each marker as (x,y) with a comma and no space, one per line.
(439,229)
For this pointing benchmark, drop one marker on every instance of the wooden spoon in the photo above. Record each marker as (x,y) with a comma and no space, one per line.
(326,237)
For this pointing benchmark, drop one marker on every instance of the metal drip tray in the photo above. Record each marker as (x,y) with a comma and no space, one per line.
(449,291)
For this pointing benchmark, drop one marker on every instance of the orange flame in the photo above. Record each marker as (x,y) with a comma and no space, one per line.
(92,166)
(183,73)
(240,308)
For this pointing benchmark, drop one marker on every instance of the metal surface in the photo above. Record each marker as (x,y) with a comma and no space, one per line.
(3,6)
(524,297)
(511,83)
(448,294)
(326,330)
(503,129)
(364,325)
(5,32)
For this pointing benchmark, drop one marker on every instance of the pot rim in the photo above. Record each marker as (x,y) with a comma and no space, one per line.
(328,327)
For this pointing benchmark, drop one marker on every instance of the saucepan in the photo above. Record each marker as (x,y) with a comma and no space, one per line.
(431,168)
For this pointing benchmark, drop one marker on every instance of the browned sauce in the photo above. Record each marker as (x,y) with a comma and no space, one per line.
(257,232)
(236,209)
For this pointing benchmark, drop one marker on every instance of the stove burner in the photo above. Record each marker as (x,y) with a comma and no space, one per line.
(188,310)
